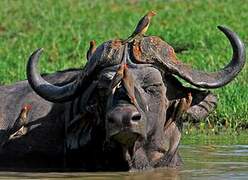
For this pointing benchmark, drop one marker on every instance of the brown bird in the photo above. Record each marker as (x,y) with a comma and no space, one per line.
(91,49)
(141,27)
(180,107)
(20,125)
(19,128)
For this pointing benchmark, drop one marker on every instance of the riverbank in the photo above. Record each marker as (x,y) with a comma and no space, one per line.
(210,136)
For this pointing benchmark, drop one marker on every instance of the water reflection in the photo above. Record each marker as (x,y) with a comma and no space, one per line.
(200,162)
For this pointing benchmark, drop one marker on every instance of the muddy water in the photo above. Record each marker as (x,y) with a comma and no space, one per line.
(200,162)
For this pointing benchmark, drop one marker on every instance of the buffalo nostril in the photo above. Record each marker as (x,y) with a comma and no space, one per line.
(136,116)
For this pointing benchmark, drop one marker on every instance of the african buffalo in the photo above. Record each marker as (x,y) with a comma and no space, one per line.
(122,111)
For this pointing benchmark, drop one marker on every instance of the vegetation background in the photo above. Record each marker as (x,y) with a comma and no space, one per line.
(65,27)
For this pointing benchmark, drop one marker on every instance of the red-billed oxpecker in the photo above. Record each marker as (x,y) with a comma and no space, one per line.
(141,27)
(20,125)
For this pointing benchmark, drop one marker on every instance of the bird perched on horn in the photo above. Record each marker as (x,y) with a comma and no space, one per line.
(141,27)
(91,49)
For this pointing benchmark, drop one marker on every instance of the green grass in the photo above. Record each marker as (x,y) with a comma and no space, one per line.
(65,27)
(227,137)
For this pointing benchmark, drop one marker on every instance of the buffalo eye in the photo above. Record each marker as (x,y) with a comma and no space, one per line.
(150,89)
(153,89)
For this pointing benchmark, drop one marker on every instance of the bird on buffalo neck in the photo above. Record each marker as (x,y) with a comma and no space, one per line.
(91,49)
(141,27)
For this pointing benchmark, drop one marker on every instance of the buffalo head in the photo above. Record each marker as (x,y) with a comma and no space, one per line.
(137,95)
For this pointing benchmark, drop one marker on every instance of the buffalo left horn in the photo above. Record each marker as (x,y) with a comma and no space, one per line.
(53,93)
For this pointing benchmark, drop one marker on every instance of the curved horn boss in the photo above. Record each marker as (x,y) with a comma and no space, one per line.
(195,77)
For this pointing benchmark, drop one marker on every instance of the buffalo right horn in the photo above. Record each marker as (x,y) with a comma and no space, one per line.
(213,79)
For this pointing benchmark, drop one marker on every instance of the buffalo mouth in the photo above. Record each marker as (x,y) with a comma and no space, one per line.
(126,137)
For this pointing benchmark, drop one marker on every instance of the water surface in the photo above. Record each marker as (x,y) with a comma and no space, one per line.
(200,162)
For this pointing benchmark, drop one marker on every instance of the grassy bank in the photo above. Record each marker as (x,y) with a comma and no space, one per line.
(64,28)
(208,137)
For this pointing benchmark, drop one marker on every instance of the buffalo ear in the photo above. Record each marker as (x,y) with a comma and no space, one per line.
(174,88)
(203,103)
(87,95)
(79,129)
(79,134)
